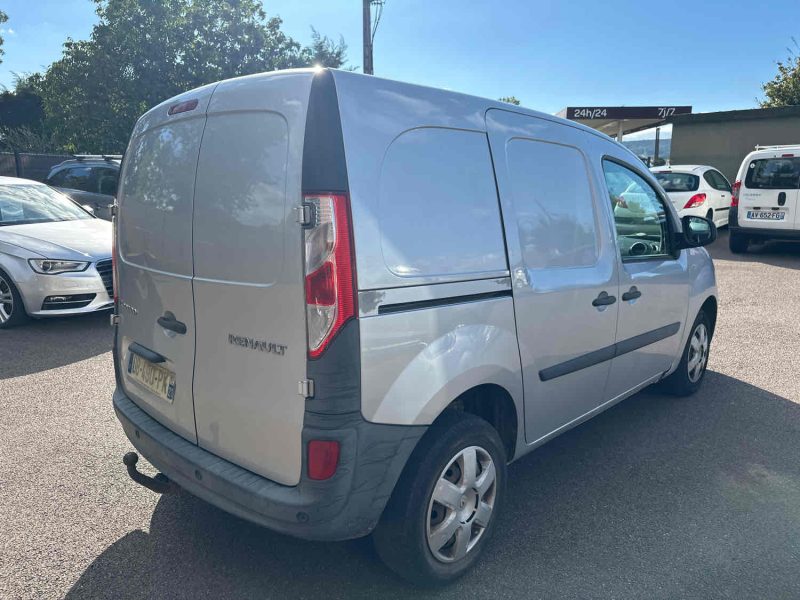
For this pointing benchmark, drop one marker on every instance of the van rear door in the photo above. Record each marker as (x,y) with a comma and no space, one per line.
(155,338)
(248,285)
(768,198)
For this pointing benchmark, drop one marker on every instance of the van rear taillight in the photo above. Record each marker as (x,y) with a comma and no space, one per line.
(329,272)
(695,201)
(735,193)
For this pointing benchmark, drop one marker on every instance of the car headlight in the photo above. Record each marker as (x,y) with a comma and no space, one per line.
(46,266)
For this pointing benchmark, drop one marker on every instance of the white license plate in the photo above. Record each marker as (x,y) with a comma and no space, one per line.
(766,215)
(154,377)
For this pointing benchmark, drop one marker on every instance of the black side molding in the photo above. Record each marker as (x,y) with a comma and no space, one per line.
(436,302)
(603,354)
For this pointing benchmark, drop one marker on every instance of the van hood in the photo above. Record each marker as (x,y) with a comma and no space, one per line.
(87,239)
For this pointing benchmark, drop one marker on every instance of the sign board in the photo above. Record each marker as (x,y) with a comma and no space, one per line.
(583,113)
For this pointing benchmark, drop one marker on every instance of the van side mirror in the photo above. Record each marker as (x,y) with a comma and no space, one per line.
(697,231)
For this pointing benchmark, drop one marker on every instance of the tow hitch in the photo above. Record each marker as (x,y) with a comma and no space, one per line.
(159,484)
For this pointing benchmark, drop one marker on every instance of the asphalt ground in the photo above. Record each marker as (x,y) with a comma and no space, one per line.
(656,498)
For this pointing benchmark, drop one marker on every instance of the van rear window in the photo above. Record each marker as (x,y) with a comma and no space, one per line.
(678,182)
(773,174)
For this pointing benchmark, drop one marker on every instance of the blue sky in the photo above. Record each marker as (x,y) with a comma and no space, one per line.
(711,54)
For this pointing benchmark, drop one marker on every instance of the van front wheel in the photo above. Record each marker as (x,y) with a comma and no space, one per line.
(444,508)
(687,378)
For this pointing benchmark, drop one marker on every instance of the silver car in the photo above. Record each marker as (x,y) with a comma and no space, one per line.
(346,303)
(55,256)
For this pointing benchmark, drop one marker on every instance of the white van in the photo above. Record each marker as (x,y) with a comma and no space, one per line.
(345,303)
(764,202)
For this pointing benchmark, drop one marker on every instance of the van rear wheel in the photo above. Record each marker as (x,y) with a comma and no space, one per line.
(738,243)
(444,508)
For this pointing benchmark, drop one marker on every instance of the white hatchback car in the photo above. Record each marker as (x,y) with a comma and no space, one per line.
(697,190)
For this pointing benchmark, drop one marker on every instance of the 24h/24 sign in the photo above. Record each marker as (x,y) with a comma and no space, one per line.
(579,113)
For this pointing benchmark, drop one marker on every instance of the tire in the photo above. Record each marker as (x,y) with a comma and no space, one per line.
(402,535)
(738,243)
(12,310)
(688,377)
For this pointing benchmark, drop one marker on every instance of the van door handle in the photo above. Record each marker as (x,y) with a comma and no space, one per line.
(631,294)
(168,321)
(604,300)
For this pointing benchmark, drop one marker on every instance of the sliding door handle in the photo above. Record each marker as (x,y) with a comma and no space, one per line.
(631,294)
(604,300)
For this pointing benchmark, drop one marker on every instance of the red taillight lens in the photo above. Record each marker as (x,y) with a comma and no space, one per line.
(330,281)
(323,458)
(735,193)
(695,201)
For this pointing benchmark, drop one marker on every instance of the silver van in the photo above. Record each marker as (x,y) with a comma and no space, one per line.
(346,303)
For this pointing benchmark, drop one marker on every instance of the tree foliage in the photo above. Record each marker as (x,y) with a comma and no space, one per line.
(510,99)
(142,52)
(3,19)
(784,88)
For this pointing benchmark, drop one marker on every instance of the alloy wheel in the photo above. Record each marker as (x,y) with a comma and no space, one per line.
(6,300)
(461,505)
(698,352)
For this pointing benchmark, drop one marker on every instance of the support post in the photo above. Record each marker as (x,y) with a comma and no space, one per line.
(367,32)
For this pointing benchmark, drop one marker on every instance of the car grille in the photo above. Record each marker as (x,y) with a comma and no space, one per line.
(105,269)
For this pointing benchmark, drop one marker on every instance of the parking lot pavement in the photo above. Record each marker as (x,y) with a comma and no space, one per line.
(656,498)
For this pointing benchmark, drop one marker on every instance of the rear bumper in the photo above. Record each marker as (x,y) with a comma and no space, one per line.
(346,506)
(761,233)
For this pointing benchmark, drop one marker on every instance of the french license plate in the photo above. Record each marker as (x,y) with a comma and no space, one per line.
(155,378)
(766,215)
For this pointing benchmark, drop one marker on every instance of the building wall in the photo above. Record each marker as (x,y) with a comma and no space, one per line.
(724,144)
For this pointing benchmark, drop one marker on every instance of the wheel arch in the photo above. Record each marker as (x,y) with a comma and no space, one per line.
(494,404)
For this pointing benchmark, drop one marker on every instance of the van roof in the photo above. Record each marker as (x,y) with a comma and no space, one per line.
(479,104)
(485,103)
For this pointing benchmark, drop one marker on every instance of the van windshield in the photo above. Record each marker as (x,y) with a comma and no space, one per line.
(678,182)
(23,204)
(773,174)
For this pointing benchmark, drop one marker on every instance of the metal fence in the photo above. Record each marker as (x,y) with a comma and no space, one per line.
(28,164)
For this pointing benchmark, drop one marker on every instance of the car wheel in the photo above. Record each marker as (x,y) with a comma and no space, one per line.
(444,508)
(738,243)
(687,378)
(12,311)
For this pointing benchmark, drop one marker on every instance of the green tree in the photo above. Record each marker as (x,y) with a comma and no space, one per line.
(510,99)
(784,89)
(144,51)
(3,19)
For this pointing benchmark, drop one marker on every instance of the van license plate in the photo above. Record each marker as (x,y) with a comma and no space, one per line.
(155,378)
(766,215)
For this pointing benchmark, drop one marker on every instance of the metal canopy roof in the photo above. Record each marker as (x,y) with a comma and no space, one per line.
(617,121)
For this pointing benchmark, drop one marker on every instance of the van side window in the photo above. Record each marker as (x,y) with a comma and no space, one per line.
(553,202)
(639,214)
(437,205)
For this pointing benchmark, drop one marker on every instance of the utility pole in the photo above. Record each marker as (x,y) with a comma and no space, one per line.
(367,26)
